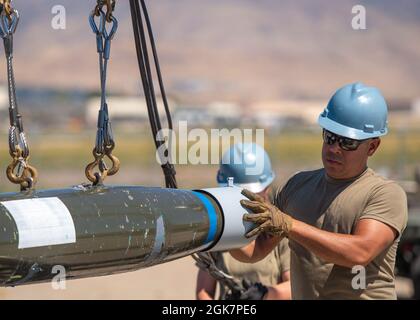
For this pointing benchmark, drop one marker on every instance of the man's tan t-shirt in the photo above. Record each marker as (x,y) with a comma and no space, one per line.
(267,271)
(336,206)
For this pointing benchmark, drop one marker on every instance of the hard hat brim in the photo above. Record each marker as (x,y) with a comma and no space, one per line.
(348,132)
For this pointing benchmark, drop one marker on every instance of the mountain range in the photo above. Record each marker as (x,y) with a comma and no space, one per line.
(239,50)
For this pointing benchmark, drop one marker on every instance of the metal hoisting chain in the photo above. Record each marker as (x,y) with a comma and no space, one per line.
(110,7)
(7,7)
(104,137)
(19,171)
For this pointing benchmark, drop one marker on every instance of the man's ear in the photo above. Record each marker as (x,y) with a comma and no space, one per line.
(373,146)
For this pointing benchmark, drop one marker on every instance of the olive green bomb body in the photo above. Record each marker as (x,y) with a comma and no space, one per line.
(100,231)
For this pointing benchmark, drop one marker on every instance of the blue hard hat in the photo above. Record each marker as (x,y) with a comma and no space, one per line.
(356,111)
(240,162)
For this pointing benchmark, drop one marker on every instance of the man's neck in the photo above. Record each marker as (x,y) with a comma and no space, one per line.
(346,179)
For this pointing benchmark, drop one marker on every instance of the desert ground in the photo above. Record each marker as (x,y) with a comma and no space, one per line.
(171,281)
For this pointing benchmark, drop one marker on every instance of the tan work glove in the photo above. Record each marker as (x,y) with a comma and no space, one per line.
(267,216)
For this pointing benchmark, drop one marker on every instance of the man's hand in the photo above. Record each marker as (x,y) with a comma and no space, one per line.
(251,291)
(255,291)
(267,216)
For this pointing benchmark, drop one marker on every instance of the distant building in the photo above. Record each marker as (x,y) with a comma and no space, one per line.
(195,116)
(225,113)
(276,114)
(216,114)
(273,115)
(123,110)
(404,114)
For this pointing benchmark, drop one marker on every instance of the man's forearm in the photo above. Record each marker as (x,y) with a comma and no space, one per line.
(368,239)
(256,250)
(280,291)
(341,249)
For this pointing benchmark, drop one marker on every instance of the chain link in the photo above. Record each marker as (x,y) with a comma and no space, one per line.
(7,7)
(110,7)
(104,144)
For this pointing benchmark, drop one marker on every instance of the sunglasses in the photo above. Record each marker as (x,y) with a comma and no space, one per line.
(346,144)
